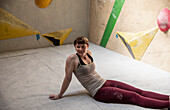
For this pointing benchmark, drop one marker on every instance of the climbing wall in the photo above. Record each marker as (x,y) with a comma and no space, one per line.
(135,22)
(28,20)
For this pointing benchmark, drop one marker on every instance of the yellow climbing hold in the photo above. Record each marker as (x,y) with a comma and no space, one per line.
(137,43)
(58,37)
(43,3)
(12,27)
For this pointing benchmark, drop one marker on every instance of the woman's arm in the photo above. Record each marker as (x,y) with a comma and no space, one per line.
(70,64)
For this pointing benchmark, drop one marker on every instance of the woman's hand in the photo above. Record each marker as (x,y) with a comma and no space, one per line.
(54,96)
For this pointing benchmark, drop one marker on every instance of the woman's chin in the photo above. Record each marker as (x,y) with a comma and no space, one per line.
(81,54)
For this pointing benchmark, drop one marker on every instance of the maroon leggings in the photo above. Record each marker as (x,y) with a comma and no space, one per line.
(118,92)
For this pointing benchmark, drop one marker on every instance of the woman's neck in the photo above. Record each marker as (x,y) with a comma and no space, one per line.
(83,56)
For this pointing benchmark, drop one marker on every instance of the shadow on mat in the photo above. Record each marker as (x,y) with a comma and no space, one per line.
(77,94)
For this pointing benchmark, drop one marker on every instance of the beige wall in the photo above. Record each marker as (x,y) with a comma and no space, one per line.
(61,14)
(136,15)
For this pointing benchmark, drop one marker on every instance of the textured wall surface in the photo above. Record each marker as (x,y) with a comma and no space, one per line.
(59,15)
(136,16)
(99,14)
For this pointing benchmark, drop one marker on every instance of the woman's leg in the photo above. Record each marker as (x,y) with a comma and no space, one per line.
(116,95)
(125,86)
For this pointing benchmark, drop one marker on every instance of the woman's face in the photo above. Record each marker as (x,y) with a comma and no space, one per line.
(81,49)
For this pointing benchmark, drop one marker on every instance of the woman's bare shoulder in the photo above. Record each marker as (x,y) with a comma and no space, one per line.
(72,57)
(89,52)
(72,60)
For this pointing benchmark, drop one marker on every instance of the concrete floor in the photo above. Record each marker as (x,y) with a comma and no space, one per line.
(27,78)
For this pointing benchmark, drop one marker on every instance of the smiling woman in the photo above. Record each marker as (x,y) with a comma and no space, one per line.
(43,3)
(81,45)
(83,67)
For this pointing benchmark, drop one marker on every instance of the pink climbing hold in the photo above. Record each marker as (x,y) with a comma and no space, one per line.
(163,20)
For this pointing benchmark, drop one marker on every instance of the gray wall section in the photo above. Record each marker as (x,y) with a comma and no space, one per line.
(61,14)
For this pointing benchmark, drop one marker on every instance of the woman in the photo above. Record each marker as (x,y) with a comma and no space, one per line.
(82,65)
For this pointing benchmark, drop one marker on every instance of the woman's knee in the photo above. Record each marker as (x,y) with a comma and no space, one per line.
(134,98)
